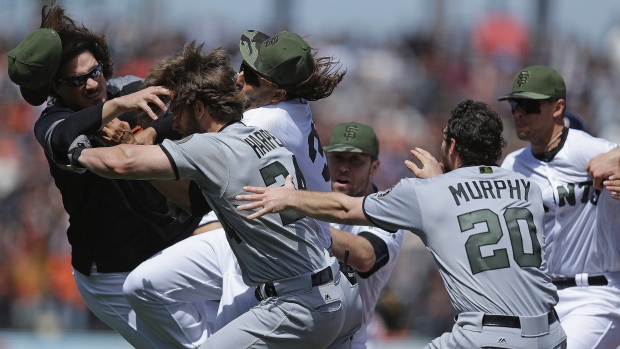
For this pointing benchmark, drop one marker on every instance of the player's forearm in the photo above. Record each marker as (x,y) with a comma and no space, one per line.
(361,253)
(125,161)
(328,206)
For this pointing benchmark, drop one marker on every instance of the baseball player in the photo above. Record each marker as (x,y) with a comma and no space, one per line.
(304,303)
(483,225)
(279,79)
(353,158)
(581,222)
(114,225)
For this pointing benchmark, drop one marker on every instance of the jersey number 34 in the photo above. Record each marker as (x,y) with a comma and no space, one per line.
(499,258)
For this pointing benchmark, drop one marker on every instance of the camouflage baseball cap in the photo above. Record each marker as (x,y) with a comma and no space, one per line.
(286,59)
(353,137)
(537,82)
(34,63)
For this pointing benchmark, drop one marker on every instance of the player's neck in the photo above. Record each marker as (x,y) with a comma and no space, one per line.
(549,143)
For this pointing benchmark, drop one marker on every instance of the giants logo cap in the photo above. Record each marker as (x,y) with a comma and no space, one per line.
(286,58)
(537,82)
(353,137)
(34,62)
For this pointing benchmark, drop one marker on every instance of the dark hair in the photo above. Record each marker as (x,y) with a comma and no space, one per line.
(321,83)
(194,75)
(477,130)
(75,39)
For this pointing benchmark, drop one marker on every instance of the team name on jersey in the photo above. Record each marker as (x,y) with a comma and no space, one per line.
(475,190)
(263,142)
(566,194)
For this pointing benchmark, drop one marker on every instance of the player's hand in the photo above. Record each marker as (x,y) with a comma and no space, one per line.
(602,166)
(613,185)
(140,101)
(116,132)
(271,200)
(430,166)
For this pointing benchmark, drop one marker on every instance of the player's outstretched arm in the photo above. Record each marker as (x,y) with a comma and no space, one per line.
(430,166)
(126,161)
(604,165)
(324,206)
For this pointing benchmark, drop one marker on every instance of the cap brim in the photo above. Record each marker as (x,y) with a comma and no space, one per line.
(249,46)
(523,95)
(35,96)
(342,148)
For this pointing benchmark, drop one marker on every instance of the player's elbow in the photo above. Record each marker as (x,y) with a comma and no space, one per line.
(366,262)
(122,163)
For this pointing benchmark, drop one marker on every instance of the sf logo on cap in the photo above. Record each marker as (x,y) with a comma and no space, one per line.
(523,76)
(350,132)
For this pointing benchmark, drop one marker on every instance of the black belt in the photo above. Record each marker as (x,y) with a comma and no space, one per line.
(512,321)
(322,277)
(599,280)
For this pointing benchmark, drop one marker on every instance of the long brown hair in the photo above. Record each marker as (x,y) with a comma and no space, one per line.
(322,82)
(75,39)
(194,75)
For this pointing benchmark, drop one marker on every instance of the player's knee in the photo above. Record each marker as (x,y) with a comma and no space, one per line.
(136,289)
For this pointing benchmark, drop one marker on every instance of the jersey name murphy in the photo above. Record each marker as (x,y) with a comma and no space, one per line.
(489,190)
(263,142)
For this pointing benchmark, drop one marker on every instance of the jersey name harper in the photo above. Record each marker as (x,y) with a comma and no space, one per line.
(263,142)
(489,190)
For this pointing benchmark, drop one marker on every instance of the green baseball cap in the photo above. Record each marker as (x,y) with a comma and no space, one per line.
(286,59)
(537,82)
(34,63)
(353,137)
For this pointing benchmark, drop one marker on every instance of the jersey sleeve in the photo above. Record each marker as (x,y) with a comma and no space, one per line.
(201,158)
(395,208)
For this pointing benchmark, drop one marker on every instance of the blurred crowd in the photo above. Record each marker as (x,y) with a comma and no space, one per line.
(404,87)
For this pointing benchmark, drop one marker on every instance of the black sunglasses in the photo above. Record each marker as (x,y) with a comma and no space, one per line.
(80,80)
(252,77)
(529,106)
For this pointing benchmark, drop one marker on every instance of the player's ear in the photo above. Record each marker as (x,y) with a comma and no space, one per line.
(560,105)
(199,109)
(278,95)
(374,165)
(452,145)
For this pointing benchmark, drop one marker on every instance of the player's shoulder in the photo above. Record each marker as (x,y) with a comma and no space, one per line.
(586,144)
(511,158)
(266,113)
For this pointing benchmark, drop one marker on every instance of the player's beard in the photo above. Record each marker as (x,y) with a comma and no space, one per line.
(257,100)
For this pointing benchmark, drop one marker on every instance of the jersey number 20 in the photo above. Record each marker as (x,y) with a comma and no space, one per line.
(499,259)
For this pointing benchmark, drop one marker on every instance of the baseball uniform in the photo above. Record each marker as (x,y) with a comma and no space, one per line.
(373,282)
(216,276)
(582,227)
(298,283)
(114,225)
(484,227)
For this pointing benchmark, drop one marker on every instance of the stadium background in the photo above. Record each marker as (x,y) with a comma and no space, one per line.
(408,63)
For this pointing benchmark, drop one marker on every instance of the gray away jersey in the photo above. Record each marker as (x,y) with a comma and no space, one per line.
(272,247)
(484,227)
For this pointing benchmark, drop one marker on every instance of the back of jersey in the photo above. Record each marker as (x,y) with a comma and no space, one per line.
(484,227)
(272,247)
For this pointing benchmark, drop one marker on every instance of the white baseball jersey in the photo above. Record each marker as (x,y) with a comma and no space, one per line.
(484,227)
(582,225)
(291,121)
(272,247)
(370,288)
